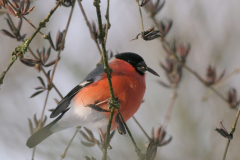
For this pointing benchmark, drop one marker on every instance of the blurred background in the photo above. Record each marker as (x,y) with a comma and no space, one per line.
(211,28)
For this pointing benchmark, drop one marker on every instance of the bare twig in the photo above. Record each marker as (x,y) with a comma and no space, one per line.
(141,128)
(188,68)
(140,11)
(201,80)
(63,40)
(170,107)
(45,73)
(108,23)
(220,83)
(33,153)
(44,107)
(18,13)
(226,149)
(132,139)
(64,153)
(231,133)
(113,103)
(20,50)
(4,72)
(58,56)
(89,26)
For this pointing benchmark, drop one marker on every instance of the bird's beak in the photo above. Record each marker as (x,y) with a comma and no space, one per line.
(143,68)
(152,71)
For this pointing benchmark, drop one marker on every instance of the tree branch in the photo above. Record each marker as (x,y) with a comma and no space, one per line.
(20,50)
(64,153)
(89,26)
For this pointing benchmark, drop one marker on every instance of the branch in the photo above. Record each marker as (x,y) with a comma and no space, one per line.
(58,56)
(140,11)
(170,107)
(113,102)
(231,133)
(220,83)
(141,128)
(20,50)
(89,26)
(63,40)
(132,139)
(187,68)
(64,153)
(17,12)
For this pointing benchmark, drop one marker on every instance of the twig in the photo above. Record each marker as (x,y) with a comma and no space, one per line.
(169,110)
(18,13)
(33,153)
(108,23)
(20,50)
(4,72)
(140,11)
(44,72)
(141,128)
(64,153)
(201,80)
(45,104)
(55,65)
(220,83)
(89,26)
(113,103)
(130,134)
(63,40)
(189,69)
(231,133)
(226,149)
(100,147)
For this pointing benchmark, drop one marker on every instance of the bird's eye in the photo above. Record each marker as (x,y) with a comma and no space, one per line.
(129,61)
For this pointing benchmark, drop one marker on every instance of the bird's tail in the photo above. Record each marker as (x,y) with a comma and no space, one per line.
(39,136)
(42,134)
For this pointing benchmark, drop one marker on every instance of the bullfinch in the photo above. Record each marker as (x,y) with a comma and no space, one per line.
(87,104)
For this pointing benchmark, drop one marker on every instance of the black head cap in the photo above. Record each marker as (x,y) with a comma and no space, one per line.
(136,61)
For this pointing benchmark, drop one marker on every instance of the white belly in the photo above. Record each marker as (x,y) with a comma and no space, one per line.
(81,116)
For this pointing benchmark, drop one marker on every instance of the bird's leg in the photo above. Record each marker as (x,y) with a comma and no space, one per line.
(95,106)
(106,100)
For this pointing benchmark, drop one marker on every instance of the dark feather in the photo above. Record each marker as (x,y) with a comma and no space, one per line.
(96,108)
(91,77)
(63,104)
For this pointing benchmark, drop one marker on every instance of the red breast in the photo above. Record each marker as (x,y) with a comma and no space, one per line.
(128,85)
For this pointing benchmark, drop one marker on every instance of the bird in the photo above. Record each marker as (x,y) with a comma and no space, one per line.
(87,104)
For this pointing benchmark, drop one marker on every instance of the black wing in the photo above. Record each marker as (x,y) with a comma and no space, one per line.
(92,77)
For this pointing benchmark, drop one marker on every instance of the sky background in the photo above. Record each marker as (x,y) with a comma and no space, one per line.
(211,28)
